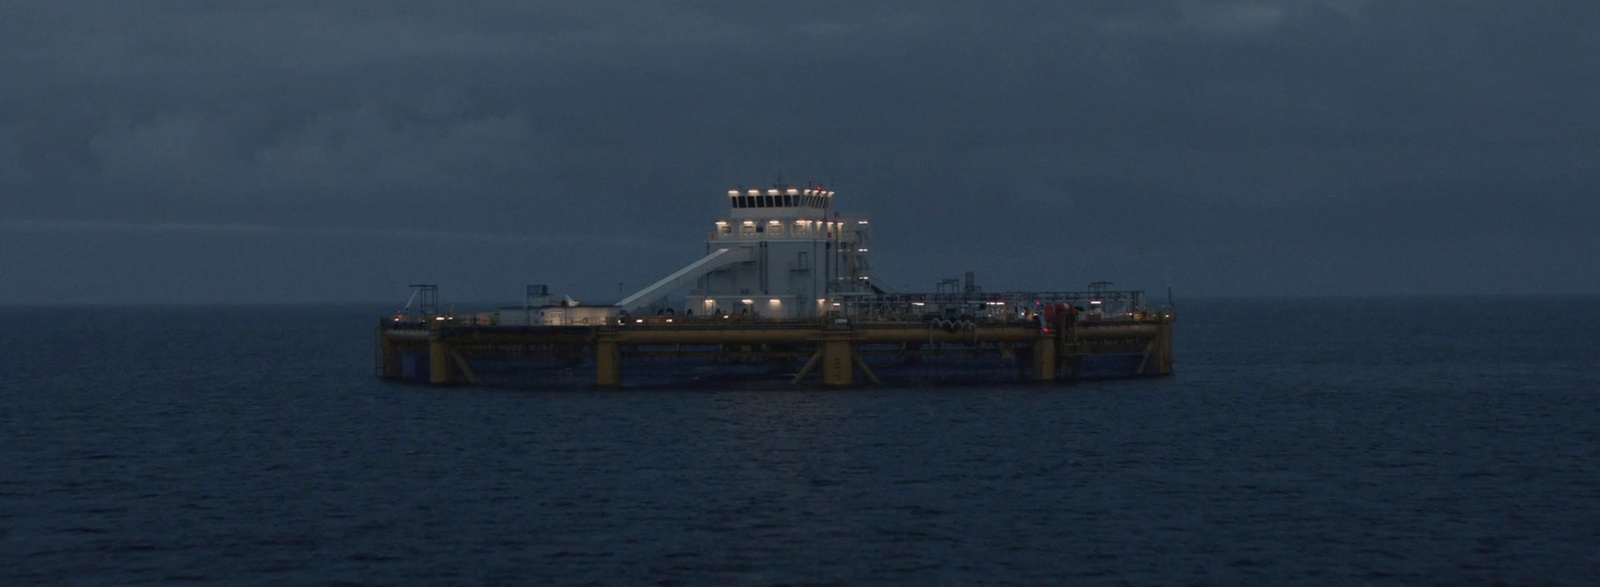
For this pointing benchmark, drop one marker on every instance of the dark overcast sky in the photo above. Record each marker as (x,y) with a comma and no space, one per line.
(336,151)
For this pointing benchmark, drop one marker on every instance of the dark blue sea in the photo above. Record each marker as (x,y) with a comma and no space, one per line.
(1308,442)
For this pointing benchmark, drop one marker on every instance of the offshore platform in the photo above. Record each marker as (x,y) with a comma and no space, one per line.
(783,291)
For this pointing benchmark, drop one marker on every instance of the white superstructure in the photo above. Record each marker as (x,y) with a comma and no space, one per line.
(778,253)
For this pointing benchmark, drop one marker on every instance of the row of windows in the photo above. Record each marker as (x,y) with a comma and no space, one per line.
(798,229)
(779,201)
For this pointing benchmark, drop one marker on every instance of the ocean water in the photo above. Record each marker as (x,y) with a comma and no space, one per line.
(1326,442)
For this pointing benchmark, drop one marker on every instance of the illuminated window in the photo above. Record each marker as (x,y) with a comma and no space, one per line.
(775,228)
(724,230)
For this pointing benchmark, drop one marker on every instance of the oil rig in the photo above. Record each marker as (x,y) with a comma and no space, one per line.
(783,291)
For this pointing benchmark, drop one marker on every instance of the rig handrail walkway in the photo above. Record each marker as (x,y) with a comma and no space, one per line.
(833,343)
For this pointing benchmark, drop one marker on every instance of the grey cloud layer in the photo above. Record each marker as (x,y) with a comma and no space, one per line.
(1221,145)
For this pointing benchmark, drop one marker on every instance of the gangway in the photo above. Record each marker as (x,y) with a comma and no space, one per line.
(683,277)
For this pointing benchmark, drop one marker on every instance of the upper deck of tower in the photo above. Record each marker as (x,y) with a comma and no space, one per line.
(788,202)
(787,214)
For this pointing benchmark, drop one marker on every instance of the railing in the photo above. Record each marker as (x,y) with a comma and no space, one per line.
(995,306)
(887,319)
(856,308)
(414,321)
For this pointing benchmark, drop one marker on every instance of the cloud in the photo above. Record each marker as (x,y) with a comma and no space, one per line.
(370,160)
(382,234)
(1124,128)
(376,150)
(171,150)
(1214,20)
(13,170)
(1233,17)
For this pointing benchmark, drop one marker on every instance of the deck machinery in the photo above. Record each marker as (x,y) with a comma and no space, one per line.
(784,289)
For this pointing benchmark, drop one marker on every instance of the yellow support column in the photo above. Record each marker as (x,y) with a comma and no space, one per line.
(607,360)
(838,362)
(1044,358)
(1163,349)
(441,371)
(388,357)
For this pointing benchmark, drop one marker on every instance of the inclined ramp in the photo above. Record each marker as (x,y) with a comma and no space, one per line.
(683,277)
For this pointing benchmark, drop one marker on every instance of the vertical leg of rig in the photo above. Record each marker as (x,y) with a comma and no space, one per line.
(388,356)
(607,360)
(1160,362)
(838,361)
(441,369)
(1044,358)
